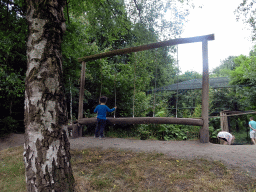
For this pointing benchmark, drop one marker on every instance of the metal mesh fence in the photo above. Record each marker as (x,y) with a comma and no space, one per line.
(183,100)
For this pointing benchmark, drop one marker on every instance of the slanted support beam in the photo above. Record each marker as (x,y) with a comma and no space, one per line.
(146,120)
(147,47)
(204,131)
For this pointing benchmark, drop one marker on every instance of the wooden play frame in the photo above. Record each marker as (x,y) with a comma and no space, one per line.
(204,122)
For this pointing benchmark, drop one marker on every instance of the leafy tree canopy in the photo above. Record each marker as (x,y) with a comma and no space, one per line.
(225,68)
(246,11)
(94,27)
(188,75)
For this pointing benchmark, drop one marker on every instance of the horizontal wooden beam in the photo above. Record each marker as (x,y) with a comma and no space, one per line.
(146,120)
(233,114)
(147,47)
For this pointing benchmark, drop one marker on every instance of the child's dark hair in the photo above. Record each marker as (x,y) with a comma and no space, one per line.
(251,118)
(103,99)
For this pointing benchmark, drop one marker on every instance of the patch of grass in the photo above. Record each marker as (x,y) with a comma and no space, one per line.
(95,169)
(12,170)
(130,171)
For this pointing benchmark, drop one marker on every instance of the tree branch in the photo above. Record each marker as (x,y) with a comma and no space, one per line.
(116,16)
(67,10)
(137,7)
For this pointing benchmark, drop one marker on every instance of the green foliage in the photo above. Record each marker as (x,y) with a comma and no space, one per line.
(240,97)
(13,34)
(142,106)
(113,29)
(143,131)
(8,125)
(241,75)
(198,111)
(246,12)
(242,137)
(164,131)
(188,102)
(94,27)
(11,97)
(189,75)
(12,82)
(169,132)
(227,65)
(213,132)
(245,75)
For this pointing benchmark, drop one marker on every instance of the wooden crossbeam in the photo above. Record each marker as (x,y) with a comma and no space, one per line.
(147,47)
(146,120)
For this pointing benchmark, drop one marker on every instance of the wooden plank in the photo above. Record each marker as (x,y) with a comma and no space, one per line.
(146,120)
(238,112)
(147,47)
(81,93)
(204,131)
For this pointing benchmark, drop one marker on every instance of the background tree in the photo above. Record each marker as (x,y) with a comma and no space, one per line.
(123,31)
(245,75)
(226,66)
(239,97)
(13,32)
(46,148)
(92,27)
(246,11)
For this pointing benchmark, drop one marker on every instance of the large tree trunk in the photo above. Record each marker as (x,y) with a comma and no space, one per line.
(46,148)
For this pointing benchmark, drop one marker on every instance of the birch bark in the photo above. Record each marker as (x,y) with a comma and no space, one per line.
(46,148)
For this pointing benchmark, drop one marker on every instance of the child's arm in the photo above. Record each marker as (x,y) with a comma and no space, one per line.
(252,127)
(96,109)
(111,110)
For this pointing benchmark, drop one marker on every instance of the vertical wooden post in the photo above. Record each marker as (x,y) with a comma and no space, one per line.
(71,104)
(74,131)
(224,121)
(81,94)
(204,131)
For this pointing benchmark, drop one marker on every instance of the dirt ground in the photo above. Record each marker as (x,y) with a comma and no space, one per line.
(242,157)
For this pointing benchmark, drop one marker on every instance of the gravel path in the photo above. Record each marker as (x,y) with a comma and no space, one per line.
(242,157)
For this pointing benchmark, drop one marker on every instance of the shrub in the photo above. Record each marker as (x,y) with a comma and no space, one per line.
(8,125)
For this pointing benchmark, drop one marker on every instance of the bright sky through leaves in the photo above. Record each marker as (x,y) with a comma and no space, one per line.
(217,17)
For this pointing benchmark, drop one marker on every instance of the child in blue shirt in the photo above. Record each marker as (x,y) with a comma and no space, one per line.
(101,111)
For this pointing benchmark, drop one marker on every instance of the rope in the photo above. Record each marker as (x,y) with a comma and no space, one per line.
(114,85)
(155,90)
(177,95)
(134,85)
(100,78)
(115,92)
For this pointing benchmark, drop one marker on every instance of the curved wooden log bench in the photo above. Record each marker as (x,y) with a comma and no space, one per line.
(77,129)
